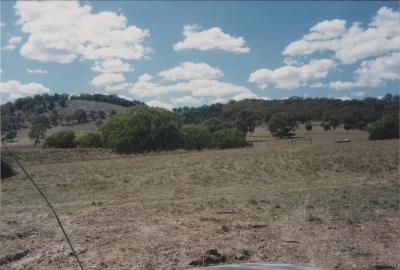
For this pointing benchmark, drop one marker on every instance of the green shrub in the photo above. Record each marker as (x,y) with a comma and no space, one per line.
(196,137)
(90,140)
(228,138)
(385,128)
(60,139)
(142,129)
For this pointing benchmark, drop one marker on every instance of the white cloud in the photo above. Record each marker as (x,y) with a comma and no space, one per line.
(343,98)
(111,66)
(63,31)
(159,104)
(289,77)
(245,96)
(351,44)
(12,43)
(36,71)
(186,100)
(107,79)
(212,38)
(373,73)
(190,71)
(144,87)
(15,89)
(318,85)
(358,94)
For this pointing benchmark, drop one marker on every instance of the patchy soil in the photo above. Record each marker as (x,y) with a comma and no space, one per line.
(329,205)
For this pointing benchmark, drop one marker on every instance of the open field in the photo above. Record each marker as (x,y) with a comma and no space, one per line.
(325,204)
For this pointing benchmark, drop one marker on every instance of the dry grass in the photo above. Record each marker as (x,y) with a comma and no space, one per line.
(332,205)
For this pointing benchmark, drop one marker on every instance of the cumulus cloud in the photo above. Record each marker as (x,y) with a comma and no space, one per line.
(63,31)
(12,43)
(111,66)
(159,104)
(15,89)
(212,38)
(107,79)
(354,43)
(36,71)
(289,77)
(373,73)
(190,71)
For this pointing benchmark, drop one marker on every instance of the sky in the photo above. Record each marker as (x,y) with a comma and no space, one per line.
(173,54)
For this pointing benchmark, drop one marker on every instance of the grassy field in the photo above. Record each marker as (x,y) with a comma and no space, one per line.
(326,204)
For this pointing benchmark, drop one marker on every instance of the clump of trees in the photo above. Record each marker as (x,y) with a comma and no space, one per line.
(385,128)
(60,139)
(142,129)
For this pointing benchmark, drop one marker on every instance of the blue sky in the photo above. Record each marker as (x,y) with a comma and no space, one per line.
(172,54)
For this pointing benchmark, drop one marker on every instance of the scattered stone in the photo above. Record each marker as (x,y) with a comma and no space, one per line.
(11,258)
(211,256)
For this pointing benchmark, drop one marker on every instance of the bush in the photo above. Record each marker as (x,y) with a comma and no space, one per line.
(90,140)
(385,128)
(196,137)
(141,129)
(228,138)
(60,139)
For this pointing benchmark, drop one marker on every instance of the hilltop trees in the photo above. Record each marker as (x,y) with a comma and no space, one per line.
(282,125)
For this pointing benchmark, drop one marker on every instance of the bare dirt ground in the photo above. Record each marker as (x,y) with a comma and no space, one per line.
(325,204)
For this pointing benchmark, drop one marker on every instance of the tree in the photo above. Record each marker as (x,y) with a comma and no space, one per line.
(10,135)
(333,122)
(80,115)
(142,129)
(40,124)
(90,140)
(113,112)
(53,119)
(93,114)
(282,125)
(326,125)
(60,139)
(101,114)
(308,125)
(248,120)
(385,128)
(195,137)
(69,118)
